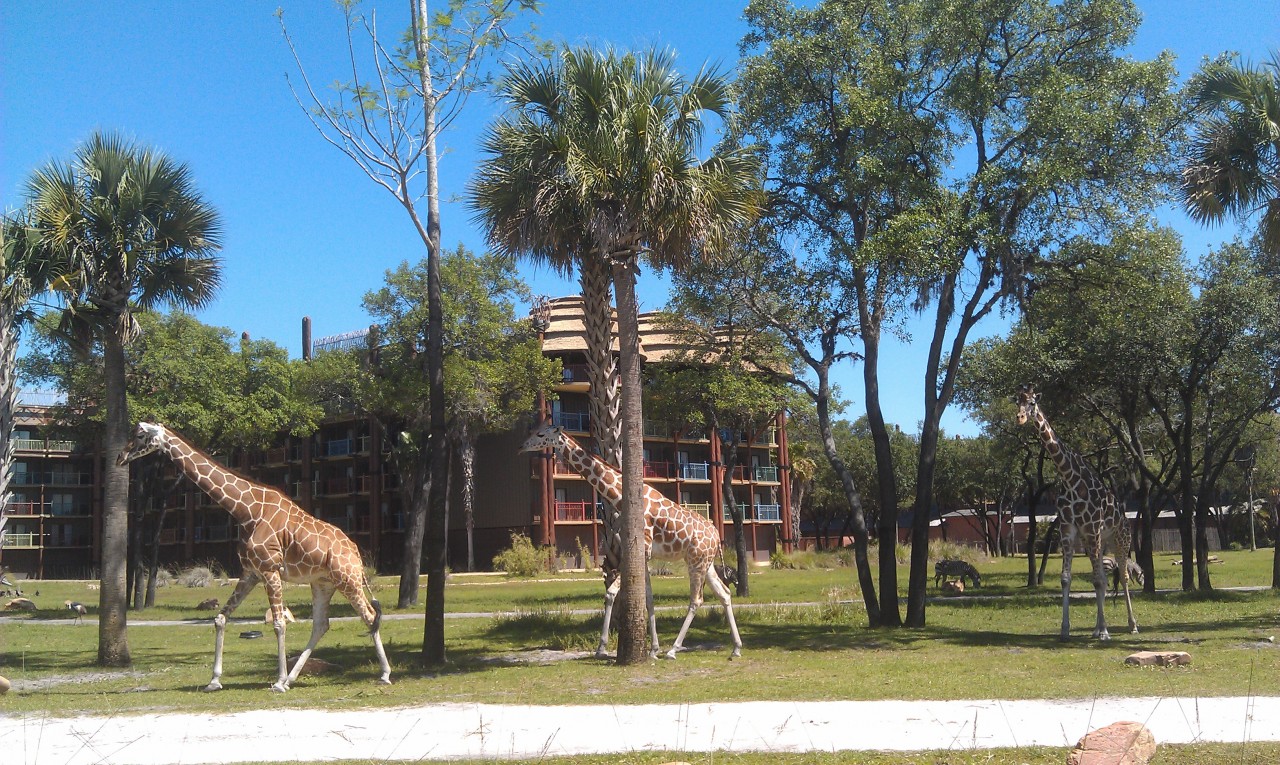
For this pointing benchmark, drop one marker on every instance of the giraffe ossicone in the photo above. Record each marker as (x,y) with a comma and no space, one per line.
(279,542)
(1089,514)
(670,532)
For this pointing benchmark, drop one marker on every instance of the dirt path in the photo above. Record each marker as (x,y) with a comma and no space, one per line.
(446,731)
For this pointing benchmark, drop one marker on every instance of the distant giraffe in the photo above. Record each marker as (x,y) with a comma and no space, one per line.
(1089,514)
(279,542)
(670,532)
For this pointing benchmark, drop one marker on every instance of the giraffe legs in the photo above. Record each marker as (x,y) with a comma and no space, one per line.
(653,620)
(321,595)
(370,612)
(1068,542)
(1099,591)
(275,596)
(243,588)
(1122,560)
(695,602)
(613,583)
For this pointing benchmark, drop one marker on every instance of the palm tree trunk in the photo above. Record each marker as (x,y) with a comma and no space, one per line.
(602,368)
(113,639)
(415,482)
(631,600)
(8,403)
(468,494)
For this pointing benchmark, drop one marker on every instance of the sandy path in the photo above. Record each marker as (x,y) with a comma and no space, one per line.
(445,731)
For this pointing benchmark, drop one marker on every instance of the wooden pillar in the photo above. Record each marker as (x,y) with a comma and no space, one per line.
(784,477)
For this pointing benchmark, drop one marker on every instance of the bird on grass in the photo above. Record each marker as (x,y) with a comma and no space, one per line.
(76,608)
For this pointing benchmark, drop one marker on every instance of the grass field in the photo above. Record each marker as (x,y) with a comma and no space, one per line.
(973,648)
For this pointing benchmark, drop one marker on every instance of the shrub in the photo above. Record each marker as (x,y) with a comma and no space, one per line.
(196,576)
(164,577)
(523,558)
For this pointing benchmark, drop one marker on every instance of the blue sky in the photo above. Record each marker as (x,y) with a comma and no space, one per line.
(305,232)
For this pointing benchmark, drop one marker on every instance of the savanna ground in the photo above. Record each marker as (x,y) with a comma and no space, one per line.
(803,630)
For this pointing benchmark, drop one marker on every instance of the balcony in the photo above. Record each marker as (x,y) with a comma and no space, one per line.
(393,522)
(660,470)
(55,478)
(21,540)
(765,473)
(656,429)
(575,373)
(340,447)
(580,512)
(348,485)
(212,533)
(41,445)
(759,513)
(701,508)
(768,513)
(578,422)
(29,508)
(695,471)
(173,536)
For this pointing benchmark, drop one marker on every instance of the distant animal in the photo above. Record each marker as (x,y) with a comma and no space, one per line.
(1112,570)
(208,605)
(76,608)
(20,604)
(947,569)
(288,616)
(726,574)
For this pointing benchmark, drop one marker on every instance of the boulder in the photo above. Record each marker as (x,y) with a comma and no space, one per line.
(208,605)
(953,588)
(1121,743)
(1158,659)
(5,685)
(20,604)
(314,666)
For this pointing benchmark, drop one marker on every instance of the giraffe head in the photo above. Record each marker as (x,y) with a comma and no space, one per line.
(546,437)
(1028,401)
(146,438)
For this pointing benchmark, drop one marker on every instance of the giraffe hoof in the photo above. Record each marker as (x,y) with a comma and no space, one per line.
(213,686)
(737,654)
(279,688)
(670,654)
(384,680)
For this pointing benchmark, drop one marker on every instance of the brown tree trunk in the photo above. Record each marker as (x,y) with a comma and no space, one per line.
(630,603)
(113,637)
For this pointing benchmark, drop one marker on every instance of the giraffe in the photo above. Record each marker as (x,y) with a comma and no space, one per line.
(279,542)
(1089,514)
(670,533)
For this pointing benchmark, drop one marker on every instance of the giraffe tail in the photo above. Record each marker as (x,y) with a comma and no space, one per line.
(376,624)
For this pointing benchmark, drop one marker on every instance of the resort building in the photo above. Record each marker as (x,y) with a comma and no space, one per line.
(342,474)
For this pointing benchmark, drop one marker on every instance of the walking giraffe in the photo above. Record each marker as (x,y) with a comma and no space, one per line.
(670,533)
(279,542)
(1089,514)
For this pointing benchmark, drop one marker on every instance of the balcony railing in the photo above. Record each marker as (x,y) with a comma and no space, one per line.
(768,513)
(173,536)
(211,533)
(58,478)
(29,508)
(21,540)
(579,422)
(348,485)
(41,445)
(766,473)
(701,508)
(660,470)
(695,471)
(657,429)
(340,447)
(575,373)
(578,511)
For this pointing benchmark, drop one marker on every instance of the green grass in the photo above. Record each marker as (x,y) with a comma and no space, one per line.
(1004,648)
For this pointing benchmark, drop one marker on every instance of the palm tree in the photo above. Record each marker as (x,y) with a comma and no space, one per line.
(608,144)
(132,233)
(1234,167)
(21,276)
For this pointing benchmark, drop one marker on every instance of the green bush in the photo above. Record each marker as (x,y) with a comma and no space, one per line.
(524,559)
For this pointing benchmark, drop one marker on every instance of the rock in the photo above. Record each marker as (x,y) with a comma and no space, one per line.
(1158,659)
(1122,743)
(208,605)
(20,604)
(314,666)
(5,685)
(953,588)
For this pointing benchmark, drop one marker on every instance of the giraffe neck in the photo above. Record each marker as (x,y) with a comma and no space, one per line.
(603,477)
(226,488)
(1052,445)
